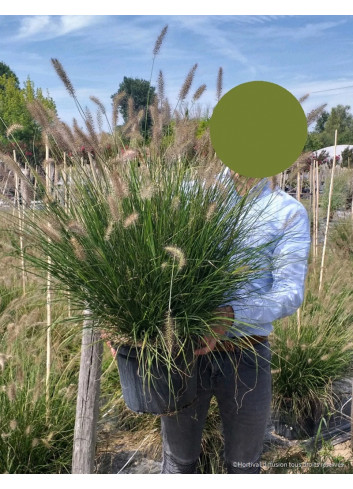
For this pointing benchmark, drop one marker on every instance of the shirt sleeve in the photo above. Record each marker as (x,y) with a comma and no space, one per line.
(289,269)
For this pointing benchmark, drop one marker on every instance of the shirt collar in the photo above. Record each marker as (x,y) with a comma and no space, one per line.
(263,187)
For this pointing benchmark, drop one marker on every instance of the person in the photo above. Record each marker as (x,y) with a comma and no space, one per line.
(240,378)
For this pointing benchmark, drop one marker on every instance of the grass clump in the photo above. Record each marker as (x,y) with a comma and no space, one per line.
(36,437)
(307,359)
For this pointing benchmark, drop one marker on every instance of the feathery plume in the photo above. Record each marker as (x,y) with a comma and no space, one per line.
(169,332)
(303,98)
(77,228)
(13,424)
(160,85)
(116,102)
(99,103)
(28,430)
(131,219)
(82,138)
(11,391)
(39,113)
(119,186)
(3,360)
(113,207)
(48,230)
(35,442)
(178,254)
(147,191)
(187,83)
(324,357)
(90,127)
(109,230)
(219,83)
(199,92)
(210,211)
(63,76)
(175,202)
(78,248)
(315,114)
(159,40)
(13,128)
(166,113)
(99,120)
(45,443)
(12,165)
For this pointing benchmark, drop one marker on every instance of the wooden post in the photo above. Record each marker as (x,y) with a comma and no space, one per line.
(328,213)
(87,408)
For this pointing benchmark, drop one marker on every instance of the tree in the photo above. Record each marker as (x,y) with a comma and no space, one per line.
(320,123)
(324,134)
(137,89)
(341,119)
(347,157)
(6,70)
(13,110)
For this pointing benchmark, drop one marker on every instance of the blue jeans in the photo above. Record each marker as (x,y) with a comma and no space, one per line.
(241,382)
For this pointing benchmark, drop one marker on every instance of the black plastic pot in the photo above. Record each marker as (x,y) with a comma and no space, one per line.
(162,392)
(285,424)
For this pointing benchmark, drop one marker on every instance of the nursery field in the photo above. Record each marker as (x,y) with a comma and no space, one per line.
(136,236)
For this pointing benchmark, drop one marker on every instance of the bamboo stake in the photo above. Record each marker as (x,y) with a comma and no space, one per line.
(298,185)
(93,170)
(48,363)
(328,213)
(312,184)
(87,407)
(7,179)
(34,192)
(317,195)
(280,180)
(66,206)
(65,184)
(20,225)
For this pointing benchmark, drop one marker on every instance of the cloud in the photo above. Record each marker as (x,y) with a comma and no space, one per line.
(214,35)
(42,27)
(298,32)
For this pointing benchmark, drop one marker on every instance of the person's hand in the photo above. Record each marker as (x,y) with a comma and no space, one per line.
(105,336)
(220,329)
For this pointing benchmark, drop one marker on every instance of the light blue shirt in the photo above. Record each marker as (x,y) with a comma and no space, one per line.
(279,291)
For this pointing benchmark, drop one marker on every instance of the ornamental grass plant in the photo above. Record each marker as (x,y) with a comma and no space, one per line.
(151,250)
(306,360)
(36,434)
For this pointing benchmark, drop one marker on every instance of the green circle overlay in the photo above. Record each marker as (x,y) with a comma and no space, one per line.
(258,129)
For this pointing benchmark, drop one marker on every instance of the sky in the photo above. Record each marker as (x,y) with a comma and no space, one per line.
(302,53)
